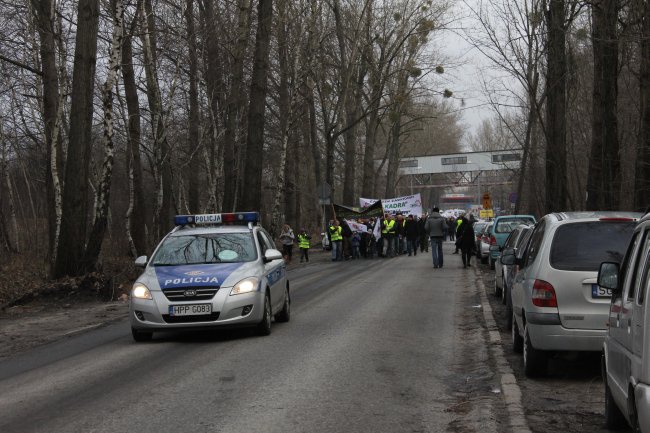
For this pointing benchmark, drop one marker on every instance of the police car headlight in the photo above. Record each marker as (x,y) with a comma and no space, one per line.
(140,291)
(245,286)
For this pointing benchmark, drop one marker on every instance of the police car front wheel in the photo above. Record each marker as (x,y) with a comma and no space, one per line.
(285,314)
(264,327)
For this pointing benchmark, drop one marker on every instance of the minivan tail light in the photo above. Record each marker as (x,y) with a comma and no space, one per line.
(544,294)
(493,240)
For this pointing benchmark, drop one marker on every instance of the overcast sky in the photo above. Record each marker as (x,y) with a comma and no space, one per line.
(462,69)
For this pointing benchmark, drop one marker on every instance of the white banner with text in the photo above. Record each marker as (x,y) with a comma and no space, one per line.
(410,204)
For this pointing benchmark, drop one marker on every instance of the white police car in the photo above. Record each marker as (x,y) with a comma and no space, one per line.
(214,270)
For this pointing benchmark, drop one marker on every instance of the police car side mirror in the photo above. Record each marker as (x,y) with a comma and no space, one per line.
(141,262)
(271,255)
(608,276)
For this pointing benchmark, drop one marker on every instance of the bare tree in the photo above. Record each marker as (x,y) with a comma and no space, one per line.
(72,240)
(604,178)
(103,194)
(642,184)
(252,195)
(136,220)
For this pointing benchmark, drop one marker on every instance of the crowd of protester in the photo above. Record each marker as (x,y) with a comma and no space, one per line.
(391,236)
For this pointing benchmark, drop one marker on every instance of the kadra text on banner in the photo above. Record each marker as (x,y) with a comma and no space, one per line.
(410,204)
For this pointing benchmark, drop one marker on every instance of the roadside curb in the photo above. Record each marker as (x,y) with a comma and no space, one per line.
(509,387)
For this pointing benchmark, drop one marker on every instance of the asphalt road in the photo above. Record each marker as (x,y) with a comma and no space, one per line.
(373,346)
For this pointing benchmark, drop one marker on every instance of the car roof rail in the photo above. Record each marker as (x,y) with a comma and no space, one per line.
(558,215)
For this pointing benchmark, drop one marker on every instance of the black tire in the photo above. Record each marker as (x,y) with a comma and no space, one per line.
(517,340)
(141,336)
(614,418)
(497,290)
(492,263)
(285,314)
(535,360)
(508,308)
(484,260)
(264,327)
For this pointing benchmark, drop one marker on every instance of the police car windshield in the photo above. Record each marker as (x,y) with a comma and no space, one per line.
(206,248)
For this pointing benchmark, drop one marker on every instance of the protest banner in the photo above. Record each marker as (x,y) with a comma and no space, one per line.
(347,212)
(356,227)
(407,205)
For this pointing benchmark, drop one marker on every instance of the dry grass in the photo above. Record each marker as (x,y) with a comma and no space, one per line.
(25,279)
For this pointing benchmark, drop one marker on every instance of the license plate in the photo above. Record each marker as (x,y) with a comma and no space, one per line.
(190,310)
(600,292)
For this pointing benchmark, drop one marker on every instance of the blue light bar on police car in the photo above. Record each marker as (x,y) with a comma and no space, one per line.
(218,218)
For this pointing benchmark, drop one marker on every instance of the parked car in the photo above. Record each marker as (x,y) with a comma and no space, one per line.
(503,225)
(626,351)
(478,232)
(557,305)
(500,268)
(484,244)
(515,244)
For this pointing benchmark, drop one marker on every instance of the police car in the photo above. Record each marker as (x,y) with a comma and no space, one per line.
(211,271)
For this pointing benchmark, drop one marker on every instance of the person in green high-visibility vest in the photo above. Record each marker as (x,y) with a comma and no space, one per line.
(336,234)
(390,235)
(304,244)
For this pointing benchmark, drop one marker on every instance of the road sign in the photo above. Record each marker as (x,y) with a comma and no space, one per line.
(324,191)
(486,213)
(487,201)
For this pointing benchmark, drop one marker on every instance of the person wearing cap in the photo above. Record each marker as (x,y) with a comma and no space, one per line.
(434,227)
(304,245)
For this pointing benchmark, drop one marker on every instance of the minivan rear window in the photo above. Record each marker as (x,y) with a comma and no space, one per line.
(506,225)
(584,246)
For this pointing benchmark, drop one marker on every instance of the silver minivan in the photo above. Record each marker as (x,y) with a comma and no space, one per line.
(556,301)
(626,351)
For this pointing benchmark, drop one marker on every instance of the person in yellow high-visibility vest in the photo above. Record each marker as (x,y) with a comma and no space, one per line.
(304,245)
(336,235)
(390,235)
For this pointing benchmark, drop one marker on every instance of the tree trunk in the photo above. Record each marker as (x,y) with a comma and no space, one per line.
(50,82)
(162,166)
(103,195)
(398,101)
(136,216)
(556,106)
(233,106)
(193,132)
(252,195)
(72,239)
(604,177)
(5,238)
(215,89)
(642,178)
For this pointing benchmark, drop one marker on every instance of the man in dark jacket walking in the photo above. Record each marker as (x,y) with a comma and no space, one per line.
(466,241)
(435,229)
(412,233)
(424,237)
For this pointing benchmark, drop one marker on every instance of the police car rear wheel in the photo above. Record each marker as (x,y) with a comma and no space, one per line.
(285,314)
(264,327)
(141,336)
